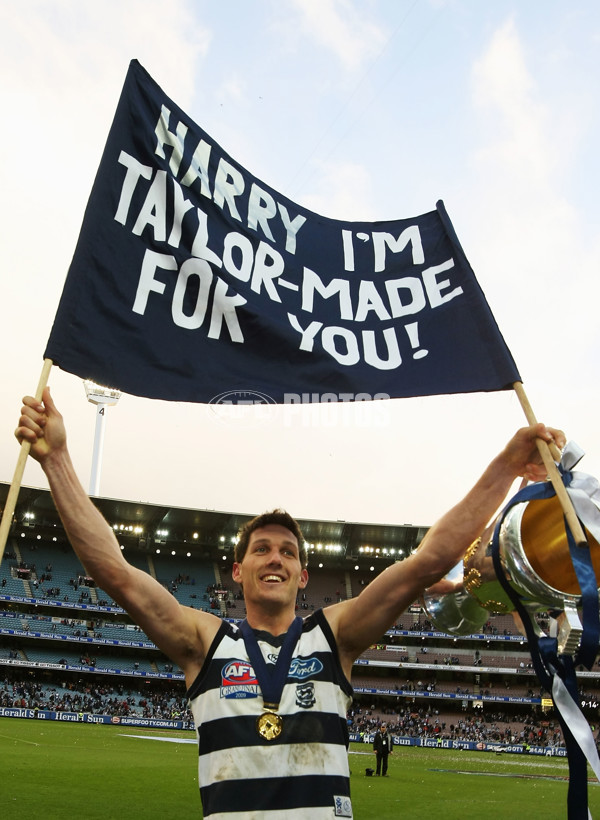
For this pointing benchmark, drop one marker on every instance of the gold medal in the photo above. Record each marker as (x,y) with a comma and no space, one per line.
(269,725)
(271,681)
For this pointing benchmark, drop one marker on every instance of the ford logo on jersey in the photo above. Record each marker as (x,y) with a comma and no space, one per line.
(302,668)
(238,680)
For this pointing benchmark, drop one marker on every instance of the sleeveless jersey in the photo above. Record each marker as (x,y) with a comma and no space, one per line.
(302,773)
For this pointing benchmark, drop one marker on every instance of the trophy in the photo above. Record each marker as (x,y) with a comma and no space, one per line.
(536,562)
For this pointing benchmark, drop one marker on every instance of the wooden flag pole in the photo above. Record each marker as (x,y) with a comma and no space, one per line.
(550,454)
(13,493)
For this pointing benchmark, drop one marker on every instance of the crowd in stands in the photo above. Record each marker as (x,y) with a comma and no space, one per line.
(428,723)
(166,701)
(93,698)
(161,702)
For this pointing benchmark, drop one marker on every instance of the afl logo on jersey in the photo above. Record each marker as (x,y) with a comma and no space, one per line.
(238,680)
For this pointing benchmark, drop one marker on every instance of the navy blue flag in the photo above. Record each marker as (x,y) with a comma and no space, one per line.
(192,280)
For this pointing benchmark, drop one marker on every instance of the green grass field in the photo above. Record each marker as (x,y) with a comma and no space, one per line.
(60,771)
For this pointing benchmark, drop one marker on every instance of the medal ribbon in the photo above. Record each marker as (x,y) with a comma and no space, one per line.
(271,678)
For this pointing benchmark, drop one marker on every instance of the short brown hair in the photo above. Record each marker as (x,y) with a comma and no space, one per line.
(279,517)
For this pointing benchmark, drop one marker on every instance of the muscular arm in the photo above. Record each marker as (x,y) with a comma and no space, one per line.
(358,623)
(182,633)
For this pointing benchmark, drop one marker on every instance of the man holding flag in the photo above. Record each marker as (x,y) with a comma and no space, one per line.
(269,699)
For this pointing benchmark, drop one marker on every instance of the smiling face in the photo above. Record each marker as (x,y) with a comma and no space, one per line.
(270,571)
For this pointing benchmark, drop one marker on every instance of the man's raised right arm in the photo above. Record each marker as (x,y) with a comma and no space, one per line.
(182,633)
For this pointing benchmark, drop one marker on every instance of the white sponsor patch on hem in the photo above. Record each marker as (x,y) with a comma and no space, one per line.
(342,805)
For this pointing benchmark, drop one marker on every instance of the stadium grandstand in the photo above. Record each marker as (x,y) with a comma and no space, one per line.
(66,647)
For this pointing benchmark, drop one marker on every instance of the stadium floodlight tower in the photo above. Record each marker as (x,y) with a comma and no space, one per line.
(102,397)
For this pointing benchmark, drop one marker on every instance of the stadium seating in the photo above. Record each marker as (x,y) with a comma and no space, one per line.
(408,672)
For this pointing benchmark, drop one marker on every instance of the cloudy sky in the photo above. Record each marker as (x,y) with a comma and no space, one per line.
(356,109)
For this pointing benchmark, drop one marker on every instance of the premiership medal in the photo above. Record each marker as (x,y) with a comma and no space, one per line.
(269,725)
(271,679)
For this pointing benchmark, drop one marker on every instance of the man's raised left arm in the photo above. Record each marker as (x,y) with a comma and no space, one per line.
(361,621)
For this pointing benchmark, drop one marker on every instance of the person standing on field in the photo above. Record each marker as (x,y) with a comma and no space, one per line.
(382,746)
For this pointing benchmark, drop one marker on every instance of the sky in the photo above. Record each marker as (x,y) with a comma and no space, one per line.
(358,110)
